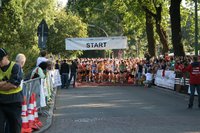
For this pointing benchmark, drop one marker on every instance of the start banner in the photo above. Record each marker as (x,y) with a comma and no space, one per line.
(96,43)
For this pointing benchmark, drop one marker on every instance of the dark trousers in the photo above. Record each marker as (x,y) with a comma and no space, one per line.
(72,75)
(192,90)
(64,80)
(11,114)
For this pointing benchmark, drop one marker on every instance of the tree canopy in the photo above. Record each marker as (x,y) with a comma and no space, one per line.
(19,20)
(154,26)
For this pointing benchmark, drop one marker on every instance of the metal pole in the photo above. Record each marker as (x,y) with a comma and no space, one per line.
(91,25)
(0,3)
(196,29)
(103,31)
(42,33)
(117,19)
(137,50)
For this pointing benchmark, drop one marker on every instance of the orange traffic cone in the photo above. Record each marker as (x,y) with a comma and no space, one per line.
(36,119)
(31,114)
(24,115)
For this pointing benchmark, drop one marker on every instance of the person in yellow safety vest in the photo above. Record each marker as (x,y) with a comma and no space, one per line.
(11,95)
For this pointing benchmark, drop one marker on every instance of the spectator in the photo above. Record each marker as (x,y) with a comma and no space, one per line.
(178,74)
(57,66)
(172,63)
(167,58)
(149,79)
(10,94)
(42,57)
(73,69)
(140,70)
(147,56)
(39,71)
(194,69)
(64,71)
(21,59)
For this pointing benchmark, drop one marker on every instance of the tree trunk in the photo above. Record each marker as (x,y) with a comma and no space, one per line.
(160,30)
(150,34)
(176,28)
(163,38)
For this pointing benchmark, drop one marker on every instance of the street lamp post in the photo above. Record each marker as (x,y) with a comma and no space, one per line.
(120,32)
(196,29)
(0,3)
(117,19)
(91,25)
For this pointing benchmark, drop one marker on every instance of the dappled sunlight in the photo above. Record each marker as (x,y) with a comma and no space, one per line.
(57,115)
(91,105)
(137,103)
(88,119)
(88,95)
(113,104)
(148,107)
(120,101)
(95,105)
(192,132)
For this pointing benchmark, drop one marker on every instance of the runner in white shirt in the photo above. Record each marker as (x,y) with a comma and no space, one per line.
(149,78)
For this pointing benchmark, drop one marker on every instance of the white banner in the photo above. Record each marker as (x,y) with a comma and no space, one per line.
(42,94)
(56,79)
(97,43)
(166,81)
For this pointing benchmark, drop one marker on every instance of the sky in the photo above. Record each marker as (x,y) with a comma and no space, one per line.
(62,2)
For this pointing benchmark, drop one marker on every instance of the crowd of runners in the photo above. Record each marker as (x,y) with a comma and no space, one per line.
(131,70)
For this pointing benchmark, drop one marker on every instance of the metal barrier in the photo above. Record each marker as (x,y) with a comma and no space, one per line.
(37,86)
(51,81)
(31,86)
(43,88)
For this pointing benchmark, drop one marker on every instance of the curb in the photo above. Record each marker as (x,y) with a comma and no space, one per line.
(50,117)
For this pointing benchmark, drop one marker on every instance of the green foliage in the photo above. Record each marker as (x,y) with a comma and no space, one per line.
(65,26)
(188,25)
(19,20)
(116,17)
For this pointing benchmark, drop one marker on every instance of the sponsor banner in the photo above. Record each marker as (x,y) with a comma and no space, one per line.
(42,94)
(97,43)
(166,81)
(56,78)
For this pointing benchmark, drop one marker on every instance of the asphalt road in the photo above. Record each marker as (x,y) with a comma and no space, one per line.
(125,109)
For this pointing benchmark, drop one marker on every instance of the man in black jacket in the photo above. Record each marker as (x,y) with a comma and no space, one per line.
(64,71)
(73,72)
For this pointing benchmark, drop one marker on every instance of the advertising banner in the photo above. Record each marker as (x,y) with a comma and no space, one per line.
(166,81)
